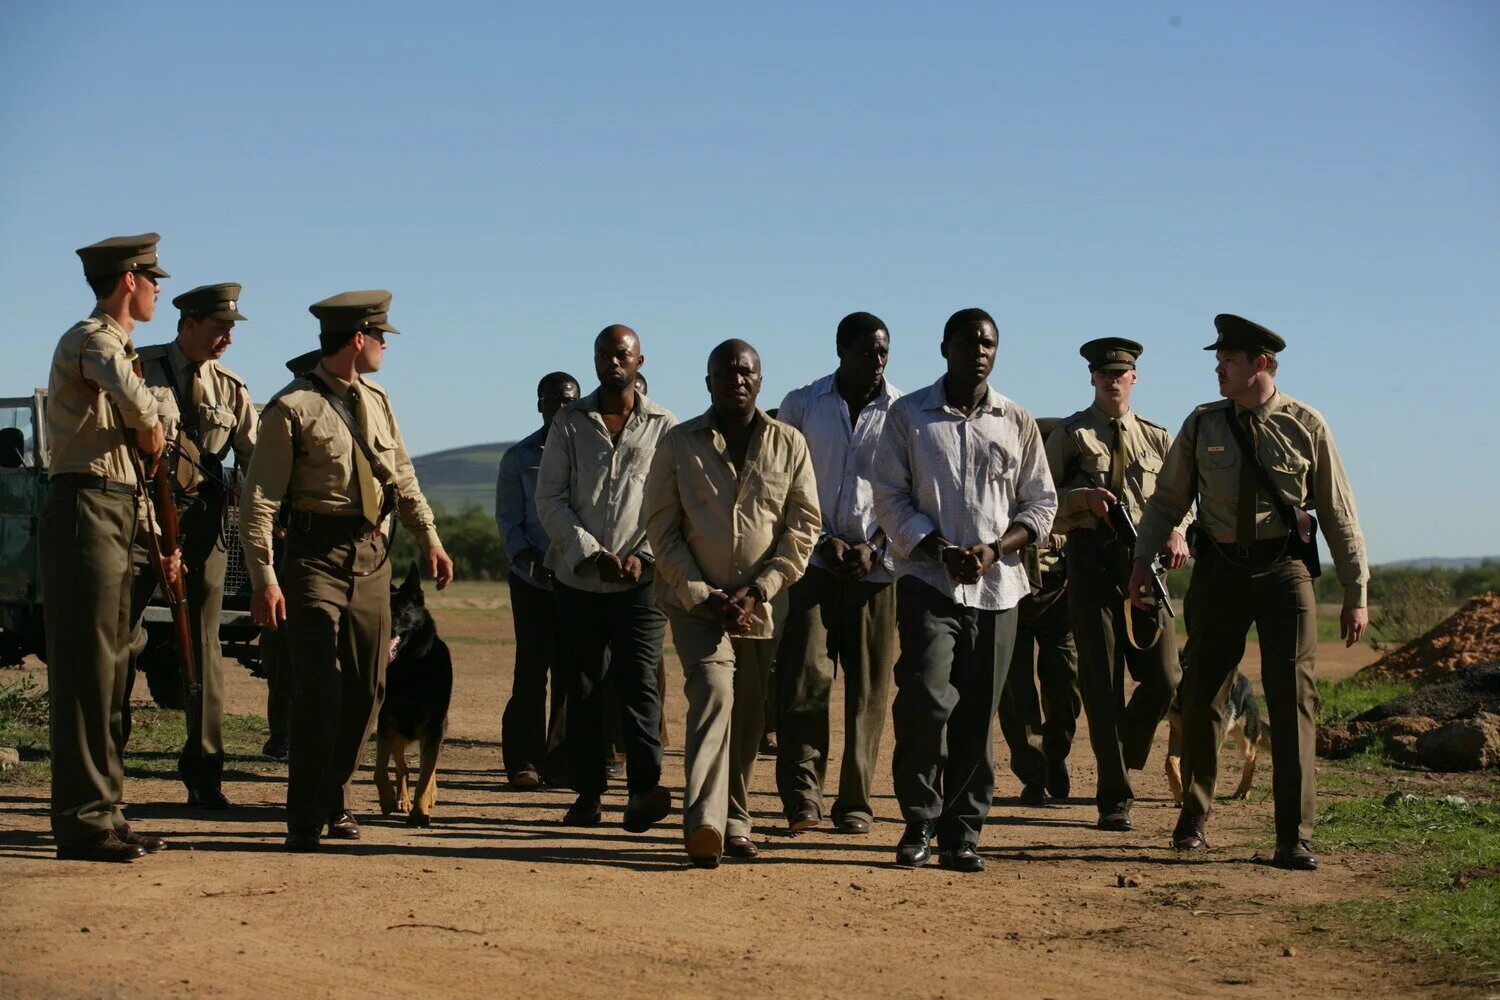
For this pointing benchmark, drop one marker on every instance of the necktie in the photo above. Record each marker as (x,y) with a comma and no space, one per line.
(1244,524)
(1117,462)
(369,489)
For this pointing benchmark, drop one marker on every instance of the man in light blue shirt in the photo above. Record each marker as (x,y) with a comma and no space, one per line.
(529,747)
(843,612)
(961,486)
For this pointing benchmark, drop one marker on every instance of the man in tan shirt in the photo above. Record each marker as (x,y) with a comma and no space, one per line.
(732,514)
(336,603)
(1100,455)
(98,410)
(1254,562)
(218,416)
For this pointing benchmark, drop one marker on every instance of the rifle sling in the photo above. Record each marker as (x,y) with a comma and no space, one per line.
(1287,511)
(376,465)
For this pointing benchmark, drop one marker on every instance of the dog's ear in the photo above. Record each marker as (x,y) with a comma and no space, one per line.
(411,587)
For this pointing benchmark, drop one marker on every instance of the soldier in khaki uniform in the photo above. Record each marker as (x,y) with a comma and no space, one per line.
(336,574)
(98,409)
(1099,455)
(1254,561)
(217,416)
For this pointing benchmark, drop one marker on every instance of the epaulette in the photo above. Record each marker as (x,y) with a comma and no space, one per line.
(232,376)
(1152,424)
(1072,421)
(151,352)
(1218,404)
(379,389)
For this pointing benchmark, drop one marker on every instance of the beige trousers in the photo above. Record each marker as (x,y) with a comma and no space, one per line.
(725,687)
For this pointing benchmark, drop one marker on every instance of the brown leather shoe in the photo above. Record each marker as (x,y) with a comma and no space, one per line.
(1115,821)
(341,826)
(851,824)
(704,846)
(1191,833)
(1295,855)
(526,778)
(740,847)
(646,809)
(100,847)
(803,819)
(144,841)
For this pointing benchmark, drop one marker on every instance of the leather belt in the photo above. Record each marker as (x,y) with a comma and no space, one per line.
(353,525)
(83,481)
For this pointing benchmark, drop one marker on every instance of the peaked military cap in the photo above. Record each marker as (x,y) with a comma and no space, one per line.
(304,363)
(1111,354)
(1236,333)
(348,312)
(120,255)
(211,302)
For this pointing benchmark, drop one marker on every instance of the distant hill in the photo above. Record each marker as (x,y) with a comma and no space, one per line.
(461,477)
(1438,562)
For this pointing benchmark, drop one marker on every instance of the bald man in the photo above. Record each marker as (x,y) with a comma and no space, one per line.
(590,494)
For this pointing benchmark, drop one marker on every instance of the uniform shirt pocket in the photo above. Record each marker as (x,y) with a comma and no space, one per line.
(1288,473)
(769,489)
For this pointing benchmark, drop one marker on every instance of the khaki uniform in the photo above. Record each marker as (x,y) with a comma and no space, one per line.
(1235,585)
(94,401)
(334,575)
(218,416)
(1086,450)
(714,526)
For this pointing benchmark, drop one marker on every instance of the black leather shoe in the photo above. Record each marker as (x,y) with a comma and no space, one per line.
(962,858)
(1033,795)
(736,846)
(1059,784)
(1297,856)
(851,824)
(585,811)
(100,847)
(1191,833)
(803,819)
(341,826)
(144,841)
(207,798)
(303,842)
(646,809)
(1115,821)
(913,849)
(275,747)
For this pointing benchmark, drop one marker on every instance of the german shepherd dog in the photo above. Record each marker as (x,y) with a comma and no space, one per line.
(418,688)
(1244,720)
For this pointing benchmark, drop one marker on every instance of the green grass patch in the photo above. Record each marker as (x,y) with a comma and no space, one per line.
(1340,701)
(1450,893)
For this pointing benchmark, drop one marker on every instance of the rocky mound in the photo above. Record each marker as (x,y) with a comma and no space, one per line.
(1448,725)
(1470,635)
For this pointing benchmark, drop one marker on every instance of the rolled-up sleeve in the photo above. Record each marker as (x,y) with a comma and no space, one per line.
(801,524)
(104,362)
(265,487)
(571,541)
(898,515)
(674,558)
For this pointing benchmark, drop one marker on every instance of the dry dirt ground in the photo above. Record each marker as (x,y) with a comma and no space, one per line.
(498,899)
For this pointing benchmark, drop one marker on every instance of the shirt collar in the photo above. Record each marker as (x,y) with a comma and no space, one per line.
(110,323)
(937,398)
(333,380)
(1128,419)
(828,385)
(1265,409)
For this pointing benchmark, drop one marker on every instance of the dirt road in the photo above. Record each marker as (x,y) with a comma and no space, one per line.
(497,899)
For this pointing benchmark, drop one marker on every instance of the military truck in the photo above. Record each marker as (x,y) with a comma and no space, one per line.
(23,491)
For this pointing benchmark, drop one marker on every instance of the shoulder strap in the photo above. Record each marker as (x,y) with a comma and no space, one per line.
(1263,478)
(326,391)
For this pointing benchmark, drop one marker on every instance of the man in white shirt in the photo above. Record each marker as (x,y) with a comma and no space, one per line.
(843,612)
(961,486)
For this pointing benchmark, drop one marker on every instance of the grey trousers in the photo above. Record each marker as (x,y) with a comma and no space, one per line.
(949,677)
(725,687)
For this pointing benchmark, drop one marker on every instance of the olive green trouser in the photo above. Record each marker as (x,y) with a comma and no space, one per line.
(1223,600)
(85,541)
(338,632)
(833,623)
(1120,731)
(1039,726)
(725,688)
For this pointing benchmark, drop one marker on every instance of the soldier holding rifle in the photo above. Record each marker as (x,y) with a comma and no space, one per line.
(217,416)
(99,412)
(1105,460)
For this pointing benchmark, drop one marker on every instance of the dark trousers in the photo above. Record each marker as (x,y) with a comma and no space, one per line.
(1222,602)
(833,623)
(628,625)
(526,741)
(339,634)
(1120,731)
(949,677)
(273,661)
(84,540)
(1039,726)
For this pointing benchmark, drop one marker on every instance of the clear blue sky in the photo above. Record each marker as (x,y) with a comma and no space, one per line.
(521,175)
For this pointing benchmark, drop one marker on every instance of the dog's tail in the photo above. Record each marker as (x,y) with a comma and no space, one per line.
(1256,731)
